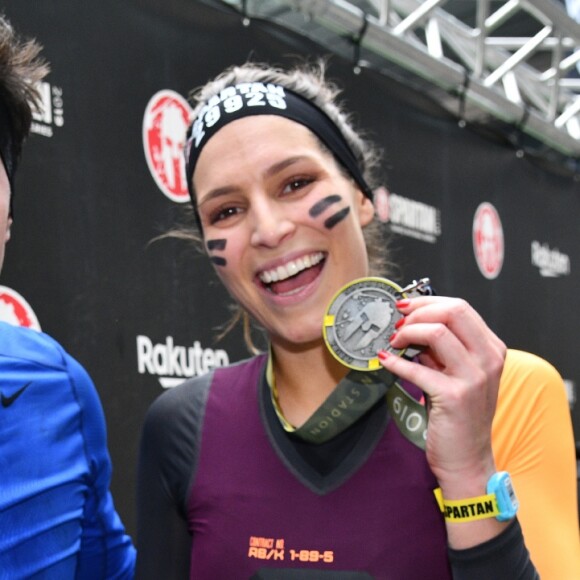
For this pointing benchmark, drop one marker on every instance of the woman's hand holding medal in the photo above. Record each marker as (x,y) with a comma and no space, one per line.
(460,368)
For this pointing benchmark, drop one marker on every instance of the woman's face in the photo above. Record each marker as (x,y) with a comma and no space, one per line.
(282,224)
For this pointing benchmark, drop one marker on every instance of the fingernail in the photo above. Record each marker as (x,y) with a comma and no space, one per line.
(402,303)
(393,336)
(400,322)
(383,354)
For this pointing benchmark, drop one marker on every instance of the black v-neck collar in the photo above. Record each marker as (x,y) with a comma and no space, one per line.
(325,466)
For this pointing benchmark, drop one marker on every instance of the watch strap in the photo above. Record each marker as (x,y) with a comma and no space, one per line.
(467,510)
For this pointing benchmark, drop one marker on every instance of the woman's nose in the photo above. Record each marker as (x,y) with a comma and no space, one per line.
(271,225)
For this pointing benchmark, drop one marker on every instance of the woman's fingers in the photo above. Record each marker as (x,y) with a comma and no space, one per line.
(463,322)
(437,339)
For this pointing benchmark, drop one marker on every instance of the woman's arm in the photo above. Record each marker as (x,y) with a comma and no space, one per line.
(532,438)
(166,465)
(504,556)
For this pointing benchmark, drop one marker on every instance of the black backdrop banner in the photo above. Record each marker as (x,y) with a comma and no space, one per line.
(100,179)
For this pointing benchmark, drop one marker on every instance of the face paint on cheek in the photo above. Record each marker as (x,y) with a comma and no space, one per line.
(216,245)
(321,206)
(336,218)
(218,261)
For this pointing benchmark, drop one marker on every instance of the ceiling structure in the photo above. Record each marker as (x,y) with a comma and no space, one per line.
(510,66)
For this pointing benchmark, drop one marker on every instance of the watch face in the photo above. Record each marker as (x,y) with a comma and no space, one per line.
(507,502)
(360,320)
(510,490)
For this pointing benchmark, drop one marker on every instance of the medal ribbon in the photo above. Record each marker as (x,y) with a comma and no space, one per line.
(350,400)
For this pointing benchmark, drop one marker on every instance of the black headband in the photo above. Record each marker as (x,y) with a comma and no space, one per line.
(8,151)
(245,99)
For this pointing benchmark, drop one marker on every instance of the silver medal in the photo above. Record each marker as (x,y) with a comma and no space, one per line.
(360,320)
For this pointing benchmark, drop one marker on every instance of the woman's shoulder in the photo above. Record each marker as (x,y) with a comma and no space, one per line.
(529,378)
(192,394)
(524,366)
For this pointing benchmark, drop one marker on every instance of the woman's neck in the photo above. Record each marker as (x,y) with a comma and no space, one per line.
(305,375)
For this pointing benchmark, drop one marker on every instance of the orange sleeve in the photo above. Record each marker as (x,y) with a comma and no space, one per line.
(532,439)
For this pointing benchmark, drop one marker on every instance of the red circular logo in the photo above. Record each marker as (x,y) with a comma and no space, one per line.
(488,241)
(15,310)
(165,123)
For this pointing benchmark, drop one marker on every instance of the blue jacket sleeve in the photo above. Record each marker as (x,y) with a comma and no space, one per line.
(106,550)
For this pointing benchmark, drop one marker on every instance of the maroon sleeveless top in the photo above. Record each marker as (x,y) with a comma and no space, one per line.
(254,512)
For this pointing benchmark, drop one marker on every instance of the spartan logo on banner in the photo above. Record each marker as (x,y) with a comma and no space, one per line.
(15,310)
(488,241)
(166,119)
(408,217)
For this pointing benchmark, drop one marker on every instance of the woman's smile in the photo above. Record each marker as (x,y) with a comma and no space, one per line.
(290,277)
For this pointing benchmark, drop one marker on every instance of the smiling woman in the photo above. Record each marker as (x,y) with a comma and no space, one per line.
(280,263)
(233,482)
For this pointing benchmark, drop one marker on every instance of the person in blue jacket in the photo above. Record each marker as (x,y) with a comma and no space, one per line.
(57,518)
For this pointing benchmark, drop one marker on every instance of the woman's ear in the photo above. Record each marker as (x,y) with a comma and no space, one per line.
(366,209)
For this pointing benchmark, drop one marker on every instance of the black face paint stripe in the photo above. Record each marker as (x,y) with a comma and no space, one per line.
(321,205)
(216,244)
(336,218)
(218,261)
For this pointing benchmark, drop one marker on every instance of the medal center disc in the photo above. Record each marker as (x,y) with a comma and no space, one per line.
(360,320)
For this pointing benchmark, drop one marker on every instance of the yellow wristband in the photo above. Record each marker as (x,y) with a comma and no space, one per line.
(467,510)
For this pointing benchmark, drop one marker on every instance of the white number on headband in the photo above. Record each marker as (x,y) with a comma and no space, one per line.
(233,104)
(276,101)
(212,116)
(232,101)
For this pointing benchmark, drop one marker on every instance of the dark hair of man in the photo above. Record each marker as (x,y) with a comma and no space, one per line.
(21,69)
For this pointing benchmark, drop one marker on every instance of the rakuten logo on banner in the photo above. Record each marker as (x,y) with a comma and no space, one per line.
(172,364)
(15,310)
(488,241)
(165,124)
(570,392)
(551,262)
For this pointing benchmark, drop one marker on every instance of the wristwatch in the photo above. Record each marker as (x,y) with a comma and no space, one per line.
(500,485)
(500,502)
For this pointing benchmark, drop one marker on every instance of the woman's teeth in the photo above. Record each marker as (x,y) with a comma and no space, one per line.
(291,268)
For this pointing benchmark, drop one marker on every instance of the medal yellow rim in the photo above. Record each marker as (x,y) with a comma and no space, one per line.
(373,363)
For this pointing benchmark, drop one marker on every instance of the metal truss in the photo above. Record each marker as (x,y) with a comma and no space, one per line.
(462,53)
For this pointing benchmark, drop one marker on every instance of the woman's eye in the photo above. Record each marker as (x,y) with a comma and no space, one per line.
(223,213)
(297,184)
